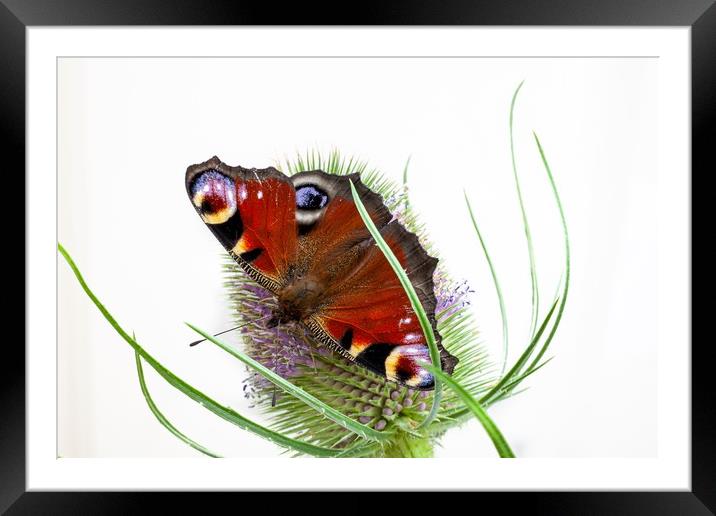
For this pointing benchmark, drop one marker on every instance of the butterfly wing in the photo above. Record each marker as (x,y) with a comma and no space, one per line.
(252,212)
(366,314)
(291,233)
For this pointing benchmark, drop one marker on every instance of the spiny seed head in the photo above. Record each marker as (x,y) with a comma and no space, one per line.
(291,351)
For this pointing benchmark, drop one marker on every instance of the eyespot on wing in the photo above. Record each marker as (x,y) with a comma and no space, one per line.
(214,196)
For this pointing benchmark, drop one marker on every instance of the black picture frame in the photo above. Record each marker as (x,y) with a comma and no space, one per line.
(17,15)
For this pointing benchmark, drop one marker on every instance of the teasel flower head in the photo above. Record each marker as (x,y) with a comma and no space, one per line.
(291,351)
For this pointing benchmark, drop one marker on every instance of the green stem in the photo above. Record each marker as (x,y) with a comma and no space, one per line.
(161,417)
(515,370)
(407,447)
(567,256)
(503,449)
(406,204)
(496,283)
(525,223)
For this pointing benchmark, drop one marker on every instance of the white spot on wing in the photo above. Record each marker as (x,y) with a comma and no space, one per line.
(243,193)
(405,320)
(412,337)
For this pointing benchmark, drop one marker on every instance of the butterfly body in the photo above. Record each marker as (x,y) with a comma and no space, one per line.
(299,299)
(302,239)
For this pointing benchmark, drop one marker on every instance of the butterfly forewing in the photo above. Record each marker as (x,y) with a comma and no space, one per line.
(252,213)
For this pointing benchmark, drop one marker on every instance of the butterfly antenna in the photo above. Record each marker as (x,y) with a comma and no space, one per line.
(232,329)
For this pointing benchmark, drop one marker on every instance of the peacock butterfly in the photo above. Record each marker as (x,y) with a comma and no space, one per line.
(302,238)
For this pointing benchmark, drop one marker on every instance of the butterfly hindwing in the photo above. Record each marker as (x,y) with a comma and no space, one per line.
(252,213)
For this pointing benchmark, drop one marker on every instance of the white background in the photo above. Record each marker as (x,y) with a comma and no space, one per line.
(128,128)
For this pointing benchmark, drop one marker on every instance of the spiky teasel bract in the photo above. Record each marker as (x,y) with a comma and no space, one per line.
(291,351)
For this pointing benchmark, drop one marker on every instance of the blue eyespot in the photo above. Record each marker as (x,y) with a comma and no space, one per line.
(214,196)
(310,197)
